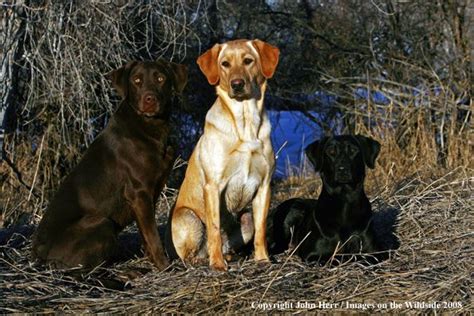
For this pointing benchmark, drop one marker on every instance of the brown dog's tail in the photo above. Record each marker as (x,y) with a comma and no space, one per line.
(169,246)
(281,223)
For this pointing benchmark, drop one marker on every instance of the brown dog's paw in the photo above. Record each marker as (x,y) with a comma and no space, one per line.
(161,264)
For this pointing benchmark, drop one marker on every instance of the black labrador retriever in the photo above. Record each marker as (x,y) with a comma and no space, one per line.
(120,176)
(341,218)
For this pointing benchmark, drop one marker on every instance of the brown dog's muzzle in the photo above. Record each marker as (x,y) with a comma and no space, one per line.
(149,104)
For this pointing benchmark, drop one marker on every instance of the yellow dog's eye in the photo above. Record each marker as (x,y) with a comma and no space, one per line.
(225,64)
(137,80)
(248,61)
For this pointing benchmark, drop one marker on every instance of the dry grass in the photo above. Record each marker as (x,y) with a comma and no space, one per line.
(433,264)
(425,171)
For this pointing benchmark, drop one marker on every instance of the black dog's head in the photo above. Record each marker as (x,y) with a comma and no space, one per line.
(342,159)
(147,86)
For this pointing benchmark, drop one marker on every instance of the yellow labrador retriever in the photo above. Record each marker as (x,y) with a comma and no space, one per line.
(233,161)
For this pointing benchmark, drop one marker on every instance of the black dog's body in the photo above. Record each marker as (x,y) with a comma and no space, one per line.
(120,176)
(341,217)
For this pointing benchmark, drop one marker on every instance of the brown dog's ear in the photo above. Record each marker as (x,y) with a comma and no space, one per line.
(315,153)
(119,78)
(268,57)
(208,64)
(370,149)
(180,73)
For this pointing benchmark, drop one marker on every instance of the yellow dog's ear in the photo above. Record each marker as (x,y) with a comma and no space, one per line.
(268,57)
(208,64)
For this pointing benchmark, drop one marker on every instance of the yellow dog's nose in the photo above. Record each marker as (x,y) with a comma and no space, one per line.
(237,84)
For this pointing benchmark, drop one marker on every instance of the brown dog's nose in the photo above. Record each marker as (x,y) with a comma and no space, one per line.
(150,98)
(237,84)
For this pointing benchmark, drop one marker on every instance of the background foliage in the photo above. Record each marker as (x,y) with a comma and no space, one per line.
(56,97)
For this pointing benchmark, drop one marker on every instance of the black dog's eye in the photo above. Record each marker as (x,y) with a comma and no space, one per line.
(352,150)
(160,78)
(331,151)
(248,61)
(137,80)
(225,64)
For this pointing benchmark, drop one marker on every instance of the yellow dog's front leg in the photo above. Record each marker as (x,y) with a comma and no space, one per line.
(260,206)
(213,226)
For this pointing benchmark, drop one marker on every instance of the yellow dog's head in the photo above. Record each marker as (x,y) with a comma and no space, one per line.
(240,67)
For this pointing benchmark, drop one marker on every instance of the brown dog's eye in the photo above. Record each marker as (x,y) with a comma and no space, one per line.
(160,78)
(137,80)
(248,61)
(225,64)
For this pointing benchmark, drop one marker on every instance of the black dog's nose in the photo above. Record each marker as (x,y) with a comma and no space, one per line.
(237,84)
(343,174)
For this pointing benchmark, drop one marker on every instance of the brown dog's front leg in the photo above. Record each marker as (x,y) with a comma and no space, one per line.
(260,206)
(213,225)
(145,216)
(168,162)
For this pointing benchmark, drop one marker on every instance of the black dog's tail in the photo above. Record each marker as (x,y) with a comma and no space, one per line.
(288,215)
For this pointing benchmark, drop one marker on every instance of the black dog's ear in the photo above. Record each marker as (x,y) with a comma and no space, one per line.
(315,153)
(178,72)
(119,78)
(370,149)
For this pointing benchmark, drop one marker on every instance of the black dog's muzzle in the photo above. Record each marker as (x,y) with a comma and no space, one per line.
(343,174)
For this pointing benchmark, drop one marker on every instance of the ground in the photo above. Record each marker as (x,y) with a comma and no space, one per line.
(432,268)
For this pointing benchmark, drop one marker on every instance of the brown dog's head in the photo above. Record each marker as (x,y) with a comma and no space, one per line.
(342,159)
(240,67)
(147,86)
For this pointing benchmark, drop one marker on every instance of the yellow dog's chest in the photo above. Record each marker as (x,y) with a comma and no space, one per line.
(236,149)
(244,174)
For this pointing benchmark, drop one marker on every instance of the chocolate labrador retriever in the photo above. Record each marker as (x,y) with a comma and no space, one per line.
(340,219)
(120,176)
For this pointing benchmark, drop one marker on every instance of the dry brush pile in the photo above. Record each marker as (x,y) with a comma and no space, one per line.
(54,85)
(433,264)
(424,174)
